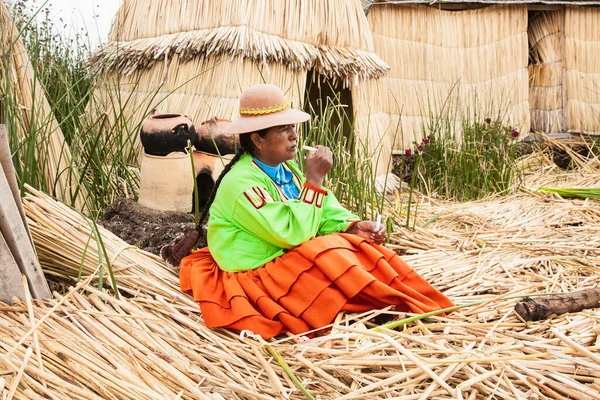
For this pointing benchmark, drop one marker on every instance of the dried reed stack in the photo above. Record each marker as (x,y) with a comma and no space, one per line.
(539,169)
(36,119)
(547,91)
(152,344)
(582,45)
(198,59)
(470,62)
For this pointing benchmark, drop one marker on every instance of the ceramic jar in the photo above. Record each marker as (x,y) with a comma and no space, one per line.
(162,134)
(212,137)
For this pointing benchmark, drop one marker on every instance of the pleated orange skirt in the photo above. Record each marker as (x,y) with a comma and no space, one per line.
(307,287)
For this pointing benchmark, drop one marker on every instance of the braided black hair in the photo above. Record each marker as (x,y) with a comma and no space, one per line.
(173,254)
(246,145)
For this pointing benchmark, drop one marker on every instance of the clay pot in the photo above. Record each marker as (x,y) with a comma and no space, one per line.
(162,134)
(211,134)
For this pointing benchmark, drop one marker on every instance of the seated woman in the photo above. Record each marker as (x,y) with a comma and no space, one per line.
(283,255)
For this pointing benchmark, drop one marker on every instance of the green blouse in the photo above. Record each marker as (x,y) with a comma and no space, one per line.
(252,222)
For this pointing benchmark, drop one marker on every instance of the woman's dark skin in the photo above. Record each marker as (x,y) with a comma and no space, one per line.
(281,143)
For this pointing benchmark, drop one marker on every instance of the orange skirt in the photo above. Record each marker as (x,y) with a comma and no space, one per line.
(305,288)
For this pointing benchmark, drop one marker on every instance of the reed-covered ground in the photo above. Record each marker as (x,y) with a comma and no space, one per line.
(471,219)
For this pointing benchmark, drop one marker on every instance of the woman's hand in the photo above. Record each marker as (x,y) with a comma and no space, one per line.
(368,229)
(318,164)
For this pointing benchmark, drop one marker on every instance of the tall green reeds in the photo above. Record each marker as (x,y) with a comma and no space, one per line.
(465,160)
(98,134)
(352,178)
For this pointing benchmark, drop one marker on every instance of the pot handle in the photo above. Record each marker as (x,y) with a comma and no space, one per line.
(177,128)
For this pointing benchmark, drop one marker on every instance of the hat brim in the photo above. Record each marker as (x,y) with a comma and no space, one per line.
(253,123)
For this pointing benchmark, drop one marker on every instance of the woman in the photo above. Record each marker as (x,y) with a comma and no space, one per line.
(283,254)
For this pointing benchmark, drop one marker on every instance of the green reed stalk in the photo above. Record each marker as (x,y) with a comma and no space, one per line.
(465,160)
(196,195)
(404,321)
(352,177)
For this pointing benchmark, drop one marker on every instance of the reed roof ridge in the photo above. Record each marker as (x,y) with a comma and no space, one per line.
(331,60)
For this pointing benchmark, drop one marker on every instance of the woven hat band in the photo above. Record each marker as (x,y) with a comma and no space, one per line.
(264,111)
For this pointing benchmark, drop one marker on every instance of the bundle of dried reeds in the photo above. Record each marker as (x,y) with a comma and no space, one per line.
(36,119)
(546,90)
(540,170)
(582,44)
(86,344)
(465,63)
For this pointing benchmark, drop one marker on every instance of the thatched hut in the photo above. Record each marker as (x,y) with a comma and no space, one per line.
(530,62)
(196,57)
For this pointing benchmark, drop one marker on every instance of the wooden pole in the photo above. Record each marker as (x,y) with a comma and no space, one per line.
(535,309)
(9,173)
(16,240)
(10,276)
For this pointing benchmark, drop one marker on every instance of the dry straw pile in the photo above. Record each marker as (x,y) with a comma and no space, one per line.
(152,344)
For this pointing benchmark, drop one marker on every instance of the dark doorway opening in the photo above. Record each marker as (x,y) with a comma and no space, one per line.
(323,97)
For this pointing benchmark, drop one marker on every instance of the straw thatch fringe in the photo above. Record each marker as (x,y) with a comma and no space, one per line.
(36,117)
(582,44)
(547,93)
(466,64)
(335,62)
(152,344)
(369,3)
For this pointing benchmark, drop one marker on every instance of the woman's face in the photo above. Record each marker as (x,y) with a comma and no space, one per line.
(277,146)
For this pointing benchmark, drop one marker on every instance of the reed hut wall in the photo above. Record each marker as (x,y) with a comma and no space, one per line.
(197,57)
(456,64)
(582,47)
(547,91)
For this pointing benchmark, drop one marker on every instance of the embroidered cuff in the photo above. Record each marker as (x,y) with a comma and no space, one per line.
(312,195)
(258,197)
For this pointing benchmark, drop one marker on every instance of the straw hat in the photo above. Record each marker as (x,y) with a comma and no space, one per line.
(264,106)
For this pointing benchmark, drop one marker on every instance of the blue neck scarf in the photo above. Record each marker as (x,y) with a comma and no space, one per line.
(282,177)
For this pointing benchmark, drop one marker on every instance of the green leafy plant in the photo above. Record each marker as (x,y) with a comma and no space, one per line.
(476,161)
(353,176)
(98,130)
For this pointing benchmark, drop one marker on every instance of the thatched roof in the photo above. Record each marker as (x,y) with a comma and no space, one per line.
(368,3)
(335,43)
